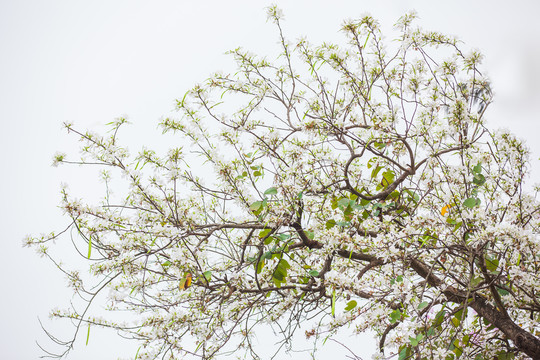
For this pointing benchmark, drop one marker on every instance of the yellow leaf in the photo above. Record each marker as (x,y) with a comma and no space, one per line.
(185,282)
(446,208)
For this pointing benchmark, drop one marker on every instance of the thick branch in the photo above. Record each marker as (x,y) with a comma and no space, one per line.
(524,340)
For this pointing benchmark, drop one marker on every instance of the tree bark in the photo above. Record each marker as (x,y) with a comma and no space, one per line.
(524,341)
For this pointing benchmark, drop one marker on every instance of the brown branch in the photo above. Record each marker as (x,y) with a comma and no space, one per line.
(524,340)
(306,241)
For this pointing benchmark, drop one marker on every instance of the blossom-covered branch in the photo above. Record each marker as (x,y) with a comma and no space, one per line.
(339,186)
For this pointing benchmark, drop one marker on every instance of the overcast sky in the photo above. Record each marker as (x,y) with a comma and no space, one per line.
(91,61)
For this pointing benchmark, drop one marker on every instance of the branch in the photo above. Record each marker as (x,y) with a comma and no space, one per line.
(524,340)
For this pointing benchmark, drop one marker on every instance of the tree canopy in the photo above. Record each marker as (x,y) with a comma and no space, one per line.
(335,187)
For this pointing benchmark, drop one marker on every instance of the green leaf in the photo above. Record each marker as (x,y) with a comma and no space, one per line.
(325,339)
(260,266)
(264,232)
(334,303)
(477,169)
(281,270)
(439,318)
(395,316)
(466,340)
(416,340)
(458,316)
(279,275)
(310,234)
(285,264)
(88,335)
(503,292)
(89,246)
(330,224)
(403,354)
(476,281)
(457,349)
(491,263)
(470,203)
(283,237)
(244,174)
(255,206)
(375,171)
(423,305)
(394,194)
(271,191)
(313,273)
(388,177)
(364,202)
(351,305)
(184,99)
(457,225)
(207,275)
(343,203)
(479,179)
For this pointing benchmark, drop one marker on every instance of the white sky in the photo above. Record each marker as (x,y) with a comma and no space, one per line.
(91,61)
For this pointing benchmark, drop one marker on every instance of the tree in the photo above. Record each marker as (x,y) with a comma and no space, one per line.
(341,186)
